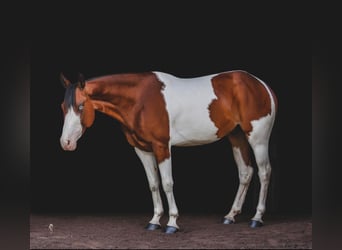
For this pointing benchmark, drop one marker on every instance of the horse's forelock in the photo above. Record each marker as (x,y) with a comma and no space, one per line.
(69,98)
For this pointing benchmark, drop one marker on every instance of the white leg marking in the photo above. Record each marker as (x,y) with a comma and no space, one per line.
(245,176)
(264,172)
(259,139)
(149,162)
(165,169)
(72,130)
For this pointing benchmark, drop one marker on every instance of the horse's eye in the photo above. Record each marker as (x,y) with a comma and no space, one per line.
(80,107)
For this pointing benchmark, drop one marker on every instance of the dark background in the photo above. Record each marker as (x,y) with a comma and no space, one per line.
(253,33)
(104,174)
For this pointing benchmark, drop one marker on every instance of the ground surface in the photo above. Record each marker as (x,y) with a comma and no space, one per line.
(197,231)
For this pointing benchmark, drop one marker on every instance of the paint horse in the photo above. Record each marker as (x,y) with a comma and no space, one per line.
(158,110)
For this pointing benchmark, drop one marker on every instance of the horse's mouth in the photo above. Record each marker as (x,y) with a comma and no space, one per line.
(68,145)
(69,148)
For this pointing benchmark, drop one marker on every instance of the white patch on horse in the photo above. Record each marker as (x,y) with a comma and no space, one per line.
(187,102)
(72,130)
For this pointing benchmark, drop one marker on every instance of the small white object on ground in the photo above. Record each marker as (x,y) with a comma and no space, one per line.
(51,228)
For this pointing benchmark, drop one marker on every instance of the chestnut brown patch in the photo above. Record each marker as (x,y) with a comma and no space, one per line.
(239,140)
(240,99)
(135,100)
(88,114)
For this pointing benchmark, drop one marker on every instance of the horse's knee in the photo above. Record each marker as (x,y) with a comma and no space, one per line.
(168,186)
(154,187)
(246,176)
(264,175)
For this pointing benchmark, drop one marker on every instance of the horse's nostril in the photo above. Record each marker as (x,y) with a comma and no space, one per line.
(68,142)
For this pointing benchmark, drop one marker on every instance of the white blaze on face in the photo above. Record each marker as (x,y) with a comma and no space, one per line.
(72,130)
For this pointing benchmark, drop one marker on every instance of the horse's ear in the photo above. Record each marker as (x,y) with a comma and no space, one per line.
(65,82)
(81,81)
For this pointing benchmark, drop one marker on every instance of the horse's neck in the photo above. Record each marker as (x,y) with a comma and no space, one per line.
(116,95)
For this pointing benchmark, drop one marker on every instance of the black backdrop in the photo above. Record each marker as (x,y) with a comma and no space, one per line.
(104,174)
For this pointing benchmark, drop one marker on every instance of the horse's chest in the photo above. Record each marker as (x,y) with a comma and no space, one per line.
(187,106)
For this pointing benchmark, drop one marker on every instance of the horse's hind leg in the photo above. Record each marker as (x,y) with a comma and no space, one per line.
(259,140)
(264,172)
(242,158)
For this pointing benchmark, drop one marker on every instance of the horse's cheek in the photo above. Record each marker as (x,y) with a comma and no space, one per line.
(88,115)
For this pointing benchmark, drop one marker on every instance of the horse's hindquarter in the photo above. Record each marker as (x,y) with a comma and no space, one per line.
(187,103)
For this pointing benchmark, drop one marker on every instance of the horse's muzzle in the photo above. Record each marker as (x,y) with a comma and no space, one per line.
(68,145)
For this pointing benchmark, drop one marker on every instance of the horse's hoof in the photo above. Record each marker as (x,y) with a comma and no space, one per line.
(171,230)
(152,227)
(227,221)
(255,224)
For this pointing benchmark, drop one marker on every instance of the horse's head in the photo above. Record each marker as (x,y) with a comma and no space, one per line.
(78,112)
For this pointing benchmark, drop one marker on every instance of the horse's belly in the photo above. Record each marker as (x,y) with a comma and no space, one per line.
(181,142)
(193,130)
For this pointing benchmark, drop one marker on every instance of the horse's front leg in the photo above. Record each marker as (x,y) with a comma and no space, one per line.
(163,155)
(151,169)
